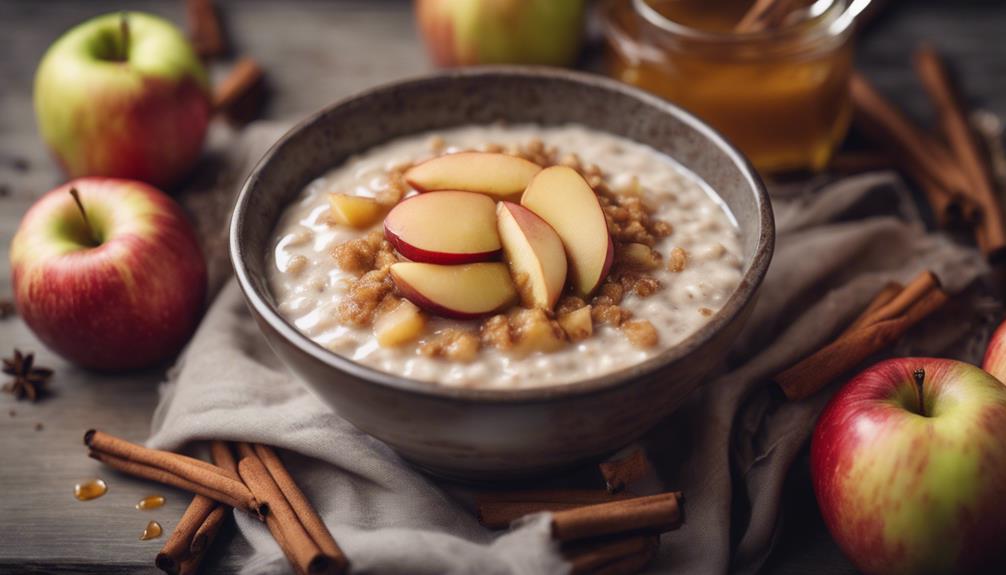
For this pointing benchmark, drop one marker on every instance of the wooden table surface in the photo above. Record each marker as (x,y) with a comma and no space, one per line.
(314,53)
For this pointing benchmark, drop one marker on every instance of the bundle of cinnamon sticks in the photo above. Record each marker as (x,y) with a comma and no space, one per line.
(952,171)
(599,531)
(240,96)
(254,480)
(891,313)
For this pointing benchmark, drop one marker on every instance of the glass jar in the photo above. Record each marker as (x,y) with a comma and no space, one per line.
(781,96)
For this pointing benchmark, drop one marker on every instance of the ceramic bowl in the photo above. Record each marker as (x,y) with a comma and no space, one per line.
(485,434)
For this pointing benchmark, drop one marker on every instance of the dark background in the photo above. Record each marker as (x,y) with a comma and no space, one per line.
(314,52)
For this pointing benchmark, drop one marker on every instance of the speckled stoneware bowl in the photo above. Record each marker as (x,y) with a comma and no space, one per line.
(498,434)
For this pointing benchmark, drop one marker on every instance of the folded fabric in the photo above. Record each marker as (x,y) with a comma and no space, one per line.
(728,449)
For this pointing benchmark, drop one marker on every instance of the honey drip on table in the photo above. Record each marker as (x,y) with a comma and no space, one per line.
(89,490)
(151,502)
(151,531)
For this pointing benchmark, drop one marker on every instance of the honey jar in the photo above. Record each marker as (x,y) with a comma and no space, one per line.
(780,95)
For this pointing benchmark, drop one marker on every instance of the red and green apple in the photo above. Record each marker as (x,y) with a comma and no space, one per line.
(111,276)
(909,467)
(995,355)
(466,32)
(125,96)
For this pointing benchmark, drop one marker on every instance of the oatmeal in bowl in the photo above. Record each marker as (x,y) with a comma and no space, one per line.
(501,271)
(504,256)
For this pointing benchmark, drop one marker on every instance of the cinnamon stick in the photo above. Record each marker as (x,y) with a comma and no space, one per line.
(497,510)
(885,321)
(240,95)
(918,156)
(195,531)
(653,513)
(172,469)
(303,509)
(765,15)
(991,225)
(593,555)
(619,473)
(204,28)
(177,548)
(287,528)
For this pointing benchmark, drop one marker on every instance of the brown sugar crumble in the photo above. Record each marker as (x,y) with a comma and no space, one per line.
(520,330)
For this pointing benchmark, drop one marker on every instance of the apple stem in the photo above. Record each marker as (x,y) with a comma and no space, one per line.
(920,380)
(83,214)
(124,30)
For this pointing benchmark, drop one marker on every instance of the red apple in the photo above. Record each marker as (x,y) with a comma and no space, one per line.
(995,355)
(463,292)
(560,196)
(444,228)
(465,32)
(125,96)
(534,253)
(909,467)
(499,176)
(120,289)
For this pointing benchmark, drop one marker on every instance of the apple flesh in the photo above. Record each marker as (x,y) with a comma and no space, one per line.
(499,176)
(534,253)
(909,467)
(462,291)
(466,32)
(444,228)
(122,290)
(128,104)
(353,211)
(995,355)
(561,197)
(400,325)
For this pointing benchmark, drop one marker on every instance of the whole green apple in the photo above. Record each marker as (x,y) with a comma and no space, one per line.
(466,32)
(909,467)
(123,95)
(111,276)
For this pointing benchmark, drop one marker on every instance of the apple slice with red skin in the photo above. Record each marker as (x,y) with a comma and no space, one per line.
(462,292)
(995,355)
(561,197)
(444,228)
(534,253)
(499,176)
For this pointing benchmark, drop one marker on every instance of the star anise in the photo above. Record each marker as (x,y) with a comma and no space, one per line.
(29,381)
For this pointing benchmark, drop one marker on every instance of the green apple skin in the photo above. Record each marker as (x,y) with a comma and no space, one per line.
(905,490)
(143,117)
(995,355)
(129,300)
(468,32)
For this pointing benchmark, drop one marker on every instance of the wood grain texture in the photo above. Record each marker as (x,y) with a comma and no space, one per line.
(314,52)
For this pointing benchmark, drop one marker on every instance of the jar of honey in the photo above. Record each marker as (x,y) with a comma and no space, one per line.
(779,94)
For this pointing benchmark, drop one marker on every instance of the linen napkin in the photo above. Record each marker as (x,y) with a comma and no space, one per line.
(728,449)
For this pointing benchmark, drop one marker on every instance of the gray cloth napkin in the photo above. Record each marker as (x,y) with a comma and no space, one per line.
(728,449)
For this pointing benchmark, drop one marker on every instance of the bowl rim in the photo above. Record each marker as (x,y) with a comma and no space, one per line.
(750,281)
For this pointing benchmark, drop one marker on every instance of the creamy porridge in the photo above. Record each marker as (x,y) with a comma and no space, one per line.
(676,258)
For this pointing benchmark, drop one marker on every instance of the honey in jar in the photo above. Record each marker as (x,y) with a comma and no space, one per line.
(780,95)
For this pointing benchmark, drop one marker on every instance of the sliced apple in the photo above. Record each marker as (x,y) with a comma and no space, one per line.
(534,253)
(354,211)
(444,228)
(400,325)
(463,291)
(561,197)
(500,176)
